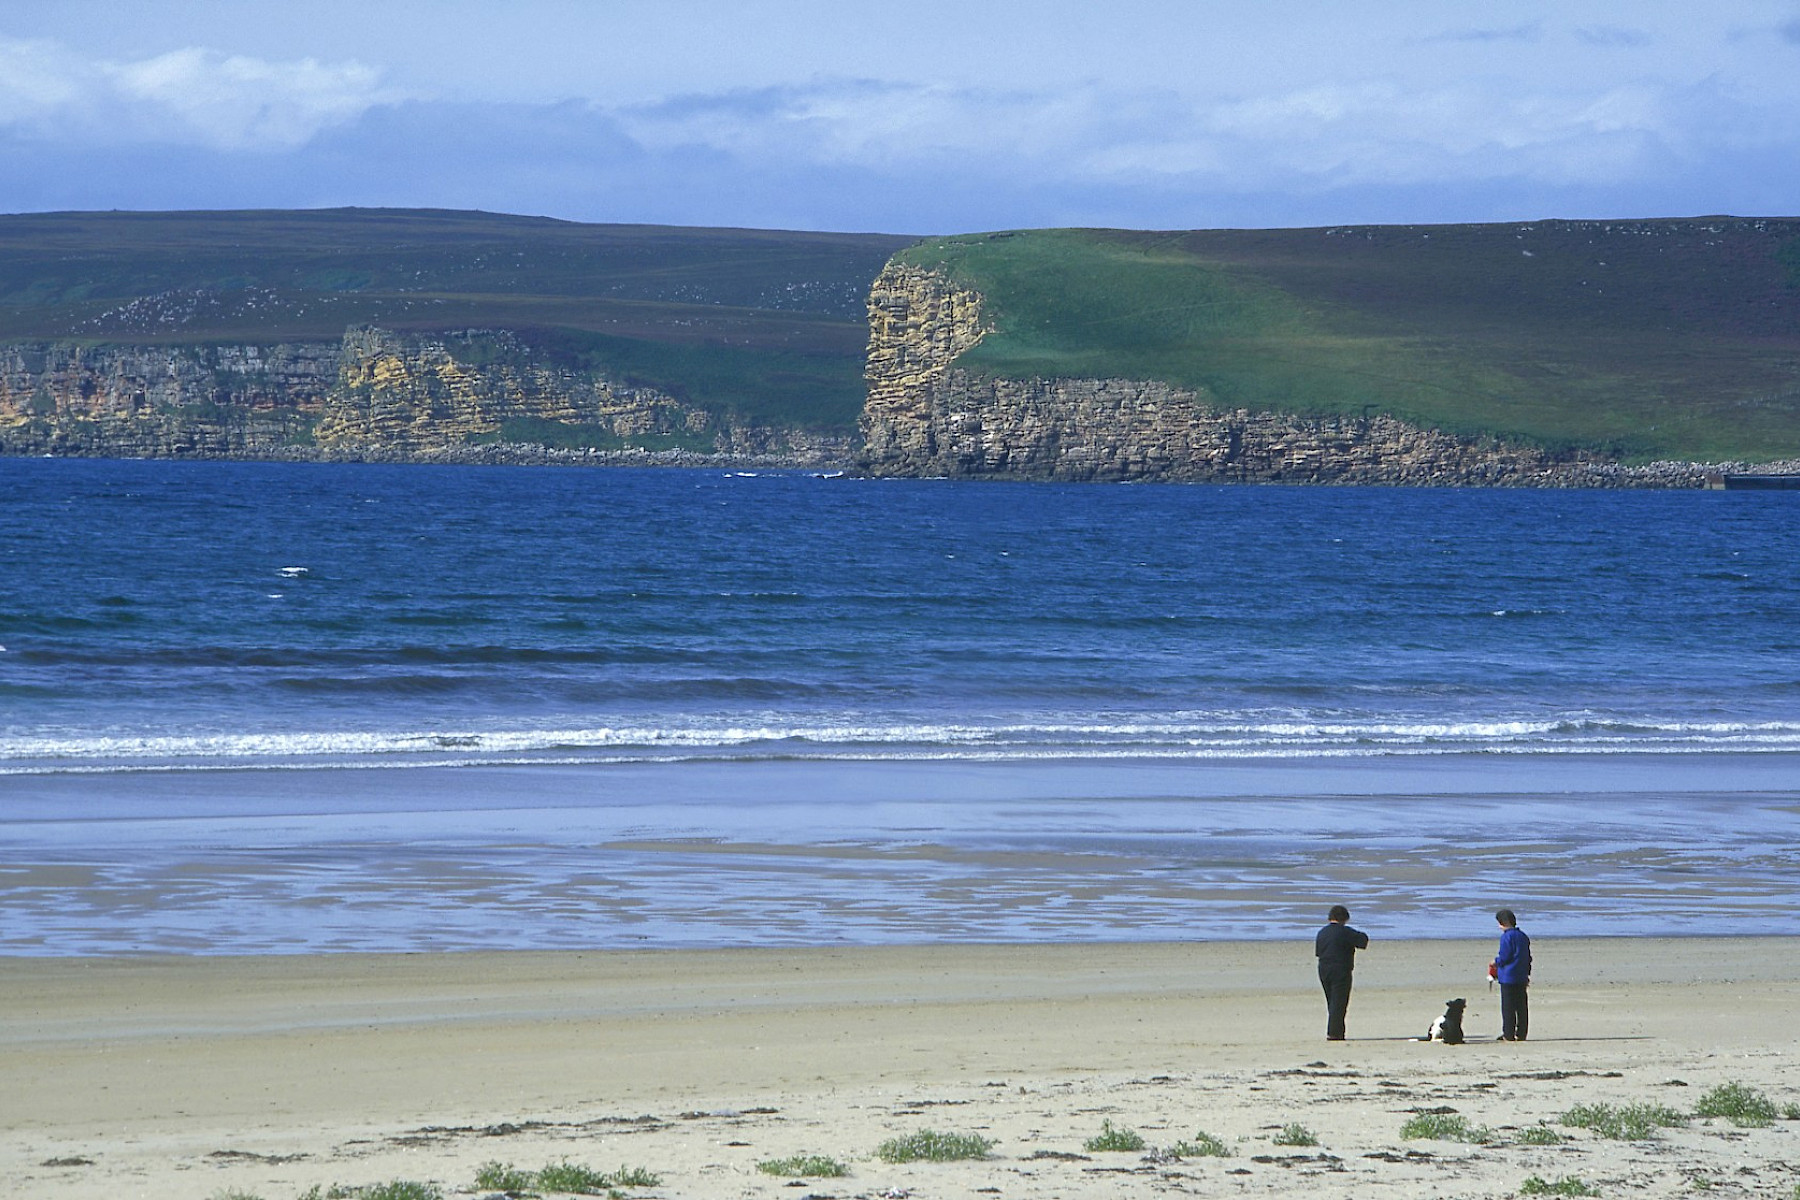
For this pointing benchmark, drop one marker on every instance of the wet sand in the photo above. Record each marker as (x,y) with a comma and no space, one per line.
(165,1077)
(799,854)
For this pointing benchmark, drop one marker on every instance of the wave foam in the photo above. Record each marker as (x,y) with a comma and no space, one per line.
(1208,736)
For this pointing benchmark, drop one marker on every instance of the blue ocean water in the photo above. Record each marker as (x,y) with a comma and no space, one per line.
(249,707)
(158,613)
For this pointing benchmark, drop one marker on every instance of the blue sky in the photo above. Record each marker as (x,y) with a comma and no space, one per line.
(915,117)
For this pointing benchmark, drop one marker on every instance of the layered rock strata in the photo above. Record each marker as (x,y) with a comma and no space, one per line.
(372,395)
(927,416)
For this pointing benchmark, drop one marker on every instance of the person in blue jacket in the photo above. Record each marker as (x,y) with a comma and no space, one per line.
(1512,971)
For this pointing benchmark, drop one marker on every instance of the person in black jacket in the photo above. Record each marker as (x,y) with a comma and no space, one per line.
(1336,948)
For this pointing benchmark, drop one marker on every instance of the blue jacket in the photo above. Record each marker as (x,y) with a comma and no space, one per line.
(1514,959)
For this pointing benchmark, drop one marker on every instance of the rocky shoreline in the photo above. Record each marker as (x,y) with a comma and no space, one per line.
(844,459)
(492,454)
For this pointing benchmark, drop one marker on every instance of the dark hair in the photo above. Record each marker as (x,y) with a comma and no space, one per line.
(1506,918)
(1339,913)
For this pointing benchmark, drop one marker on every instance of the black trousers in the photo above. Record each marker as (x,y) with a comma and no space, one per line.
(1515,1011)
(1337,1001)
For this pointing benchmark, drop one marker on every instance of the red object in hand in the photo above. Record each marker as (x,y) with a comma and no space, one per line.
(1493,970)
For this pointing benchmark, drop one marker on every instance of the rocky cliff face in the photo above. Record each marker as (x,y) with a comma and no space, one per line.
(925,416)
(918,326)
(375,394)
(153,401)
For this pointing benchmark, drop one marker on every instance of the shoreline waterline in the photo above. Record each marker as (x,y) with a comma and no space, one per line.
(803,852)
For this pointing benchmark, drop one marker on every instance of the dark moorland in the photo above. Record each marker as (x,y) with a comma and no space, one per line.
(764,323)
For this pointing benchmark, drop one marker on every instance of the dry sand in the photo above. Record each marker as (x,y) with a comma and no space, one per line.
(202,1077)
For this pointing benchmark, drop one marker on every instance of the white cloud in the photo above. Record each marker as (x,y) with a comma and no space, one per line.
(1383,133)
(193,97)
(35,77)
(241,102)
(1379,132)
(858,122)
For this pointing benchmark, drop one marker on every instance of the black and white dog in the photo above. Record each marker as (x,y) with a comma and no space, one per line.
(1448,1028)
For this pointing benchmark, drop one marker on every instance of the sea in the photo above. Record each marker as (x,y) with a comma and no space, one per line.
(300,707)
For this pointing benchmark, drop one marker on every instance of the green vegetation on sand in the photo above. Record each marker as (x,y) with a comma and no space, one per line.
(804,1166)
(561,1178)
(1110,1138)
(1738,1103)
(1295,1135)
(1201,1145)
(929,1145)
(1445,1127)
(1625,1122)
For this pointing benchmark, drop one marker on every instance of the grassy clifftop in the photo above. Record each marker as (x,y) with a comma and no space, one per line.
(763,323)
(1644,339)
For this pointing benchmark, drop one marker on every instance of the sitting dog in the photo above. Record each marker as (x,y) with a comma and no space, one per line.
(1448,1028)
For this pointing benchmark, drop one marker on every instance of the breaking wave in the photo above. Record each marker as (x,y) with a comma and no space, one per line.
(1212,738)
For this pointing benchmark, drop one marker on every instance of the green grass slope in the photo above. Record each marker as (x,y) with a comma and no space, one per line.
(768,324)
(1644,339)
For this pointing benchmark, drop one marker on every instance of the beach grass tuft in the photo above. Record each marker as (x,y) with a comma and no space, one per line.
(928,1145)
(1110,1138)
(804,1166)
(1445,1127)
(626,1177)
(1295,1134)
(1562,1185)
(504,1177)
(1739,1104)
(234,1194)
(574,1178)
(1540,1135)
(396,1189)
(565,1177)
(1626,1122)
(1201,1145)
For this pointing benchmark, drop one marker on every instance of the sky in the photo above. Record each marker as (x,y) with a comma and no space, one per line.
(929,116)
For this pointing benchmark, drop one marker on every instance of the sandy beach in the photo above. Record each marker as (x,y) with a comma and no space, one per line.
(166,1077)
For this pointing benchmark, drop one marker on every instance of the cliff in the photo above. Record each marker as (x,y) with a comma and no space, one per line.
(1457,355)
(374,394)
(926,416)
